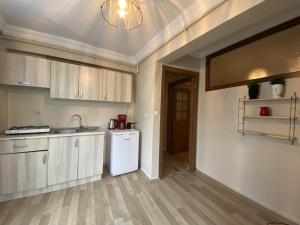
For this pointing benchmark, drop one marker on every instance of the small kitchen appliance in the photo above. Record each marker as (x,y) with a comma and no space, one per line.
(130,125)
(28,130)
(122,121)
(112,124)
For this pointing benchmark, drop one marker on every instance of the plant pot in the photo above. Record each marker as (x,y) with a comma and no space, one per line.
(277,90)
(253,92)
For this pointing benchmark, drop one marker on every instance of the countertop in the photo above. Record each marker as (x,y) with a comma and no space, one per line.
(4,137)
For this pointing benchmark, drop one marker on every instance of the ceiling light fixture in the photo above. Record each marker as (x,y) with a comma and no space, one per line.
(123,14)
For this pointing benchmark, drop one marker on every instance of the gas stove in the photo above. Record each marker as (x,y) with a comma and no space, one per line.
(28,130)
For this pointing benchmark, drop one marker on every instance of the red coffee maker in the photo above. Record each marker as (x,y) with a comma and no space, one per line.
(122,121)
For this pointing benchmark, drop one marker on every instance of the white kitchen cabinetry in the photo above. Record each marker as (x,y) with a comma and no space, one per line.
(25,70)
(23,172)
(64,80)
(90,156)
(63,159)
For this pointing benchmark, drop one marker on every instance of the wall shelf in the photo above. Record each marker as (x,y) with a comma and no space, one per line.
(291,119)
(266,99)
(269,117)
(279,136)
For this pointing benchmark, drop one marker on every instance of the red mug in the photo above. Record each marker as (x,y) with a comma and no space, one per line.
(264,111)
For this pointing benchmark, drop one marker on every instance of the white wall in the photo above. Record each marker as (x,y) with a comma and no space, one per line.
(33,106)
(3,109)
(143,111)
(149,80)
(264,169)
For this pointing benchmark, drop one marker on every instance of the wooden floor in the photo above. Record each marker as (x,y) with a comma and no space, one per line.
(181,197)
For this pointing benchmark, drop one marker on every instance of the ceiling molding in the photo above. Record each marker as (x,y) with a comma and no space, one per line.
(23,33)
(178,25)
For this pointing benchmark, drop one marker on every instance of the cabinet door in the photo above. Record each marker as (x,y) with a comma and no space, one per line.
(90,156)
(90,83)
(36,170)
(64,80)
(116,86)
(26,71)
(63,160)
(126,93)
(38,71)
(110,90)
(12,173)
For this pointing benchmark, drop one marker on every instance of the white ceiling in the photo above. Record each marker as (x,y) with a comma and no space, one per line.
(79,22)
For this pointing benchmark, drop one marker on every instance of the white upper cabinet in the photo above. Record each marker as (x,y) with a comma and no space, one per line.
(64,80)
(25,70)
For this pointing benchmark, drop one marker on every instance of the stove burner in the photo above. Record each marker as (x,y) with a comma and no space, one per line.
(28,130)
(29,127)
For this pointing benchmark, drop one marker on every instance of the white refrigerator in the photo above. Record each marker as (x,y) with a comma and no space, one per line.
(123,151)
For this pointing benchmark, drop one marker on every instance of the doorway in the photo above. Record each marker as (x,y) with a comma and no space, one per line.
(178,120)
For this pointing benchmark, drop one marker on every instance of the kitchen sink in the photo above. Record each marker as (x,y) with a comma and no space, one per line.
(70,130)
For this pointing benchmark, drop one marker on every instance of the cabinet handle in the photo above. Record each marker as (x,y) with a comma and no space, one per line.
(126,139)
(25,83)
(76,93)
(76,142)
(81,93)
(45,158)
(104,95)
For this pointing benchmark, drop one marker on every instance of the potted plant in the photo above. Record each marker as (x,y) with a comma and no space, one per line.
(253,90)
(277,87)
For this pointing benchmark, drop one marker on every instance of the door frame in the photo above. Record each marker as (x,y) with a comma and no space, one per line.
(193,114)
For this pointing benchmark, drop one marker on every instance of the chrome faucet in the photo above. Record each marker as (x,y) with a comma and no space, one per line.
(79,118)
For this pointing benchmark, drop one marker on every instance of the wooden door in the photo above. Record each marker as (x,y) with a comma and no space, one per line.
(90,83)
(180,124)
(90,156)
(36,170)
(26,70)
(63,159)
(12,173)
(64,80)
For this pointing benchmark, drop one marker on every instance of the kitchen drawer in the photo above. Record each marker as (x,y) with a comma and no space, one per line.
(23,145)
(6,147)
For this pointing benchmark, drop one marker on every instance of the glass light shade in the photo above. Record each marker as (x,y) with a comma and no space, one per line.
(123,14)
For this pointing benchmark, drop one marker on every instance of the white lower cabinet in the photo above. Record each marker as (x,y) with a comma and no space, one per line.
(23,172)
(90,156)
(63,160)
